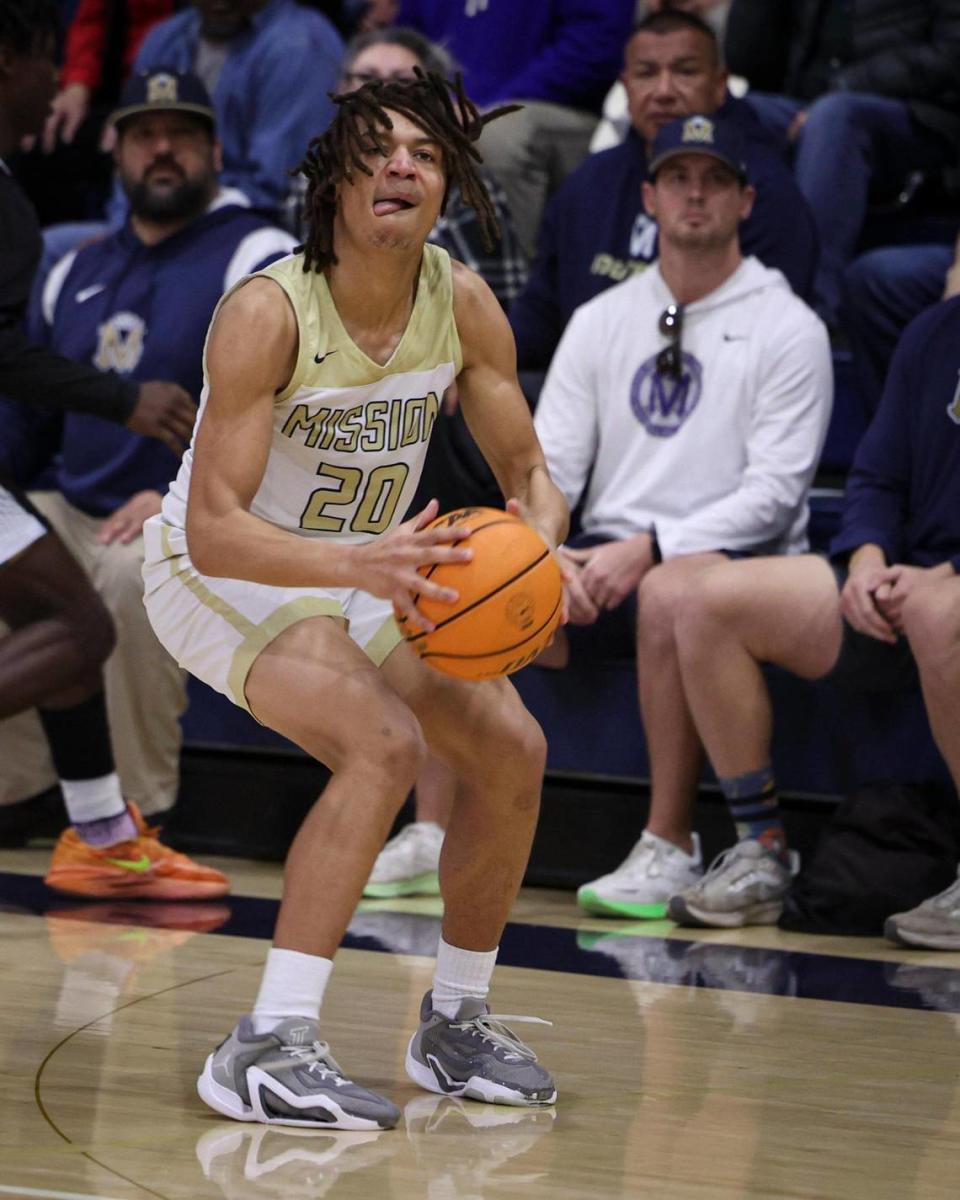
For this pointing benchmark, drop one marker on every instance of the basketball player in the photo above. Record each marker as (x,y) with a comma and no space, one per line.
(60,631)
(273,566)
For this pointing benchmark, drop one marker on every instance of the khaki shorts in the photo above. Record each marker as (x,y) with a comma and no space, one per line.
(215,628)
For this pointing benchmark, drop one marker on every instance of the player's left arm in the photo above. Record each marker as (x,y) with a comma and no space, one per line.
(496,411)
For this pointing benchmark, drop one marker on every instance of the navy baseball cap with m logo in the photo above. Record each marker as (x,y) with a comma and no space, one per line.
(699,134)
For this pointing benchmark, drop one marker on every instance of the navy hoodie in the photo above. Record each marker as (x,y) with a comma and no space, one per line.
(903,491)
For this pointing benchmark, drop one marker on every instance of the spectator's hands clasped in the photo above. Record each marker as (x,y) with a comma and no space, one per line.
(126,522)
(904,581)
(166,412)
(862,600)
(610,572)
(387,566)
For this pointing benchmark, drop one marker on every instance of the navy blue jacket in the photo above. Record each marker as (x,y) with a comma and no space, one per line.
(563,51)
(140,312)
(595,232)
(903,491)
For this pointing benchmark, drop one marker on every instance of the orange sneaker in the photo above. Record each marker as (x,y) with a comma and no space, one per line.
(143,868)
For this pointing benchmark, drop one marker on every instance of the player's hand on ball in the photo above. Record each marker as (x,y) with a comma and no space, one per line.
(509,597)
(389,564)
(567,570)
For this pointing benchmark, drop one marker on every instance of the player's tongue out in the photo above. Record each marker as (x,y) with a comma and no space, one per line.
(390,204)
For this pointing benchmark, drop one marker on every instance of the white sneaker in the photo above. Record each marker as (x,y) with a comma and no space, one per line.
(934,924)
(745,885)
(408,864)
(642,886)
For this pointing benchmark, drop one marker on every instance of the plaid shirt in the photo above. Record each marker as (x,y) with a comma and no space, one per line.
(458,231)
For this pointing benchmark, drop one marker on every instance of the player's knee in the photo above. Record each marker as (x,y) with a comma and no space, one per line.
(395,749)
(92,633)
(522,746)
(506,748)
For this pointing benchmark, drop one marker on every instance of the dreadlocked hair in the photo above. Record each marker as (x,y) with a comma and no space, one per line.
(24,22)
(438,106)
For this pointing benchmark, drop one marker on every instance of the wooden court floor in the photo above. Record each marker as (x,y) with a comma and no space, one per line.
(708,1067)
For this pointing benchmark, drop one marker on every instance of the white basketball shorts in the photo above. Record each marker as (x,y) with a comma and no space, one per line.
(215,628)
(19,528)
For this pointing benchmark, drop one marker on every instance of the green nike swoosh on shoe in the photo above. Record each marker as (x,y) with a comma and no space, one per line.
(141,864)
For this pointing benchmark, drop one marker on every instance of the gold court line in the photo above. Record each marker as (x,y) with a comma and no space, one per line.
(20,1192)
(63,1041)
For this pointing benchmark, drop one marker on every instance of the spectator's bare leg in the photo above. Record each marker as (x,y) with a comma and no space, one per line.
(436,788)
(674,748)
(932,621)
(776,610)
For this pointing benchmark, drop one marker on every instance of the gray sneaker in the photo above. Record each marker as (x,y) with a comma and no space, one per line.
(476,1056)
(745,885)
(934,924)
(288,1077)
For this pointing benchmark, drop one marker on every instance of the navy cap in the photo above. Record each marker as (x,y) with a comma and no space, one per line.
(162,90)
(699,134)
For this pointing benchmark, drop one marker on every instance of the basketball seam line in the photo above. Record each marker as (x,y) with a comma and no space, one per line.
(492,653)
(483,599)
(476,529)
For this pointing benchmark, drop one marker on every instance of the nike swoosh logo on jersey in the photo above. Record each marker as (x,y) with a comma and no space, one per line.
(318,358)
(140,864)
(88,293)
(734,337)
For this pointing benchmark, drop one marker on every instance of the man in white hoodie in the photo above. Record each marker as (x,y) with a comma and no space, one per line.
(691,401)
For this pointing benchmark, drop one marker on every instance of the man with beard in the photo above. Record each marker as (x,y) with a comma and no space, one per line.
(694,398)
(269,66)
(136,304)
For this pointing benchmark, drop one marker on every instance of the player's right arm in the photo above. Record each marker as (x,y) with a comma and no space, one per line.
(251,354)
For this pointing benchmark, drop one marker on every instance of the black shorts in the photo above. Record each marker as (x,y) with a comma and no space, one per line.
(868,665)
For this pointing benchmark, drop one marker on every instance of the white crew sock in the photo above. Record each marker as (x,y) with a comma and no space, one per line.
(292,986)
(458,974)
(92,799)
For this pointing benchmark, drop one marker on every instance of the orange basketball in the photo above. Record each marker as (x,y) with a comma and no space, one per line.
(511,599)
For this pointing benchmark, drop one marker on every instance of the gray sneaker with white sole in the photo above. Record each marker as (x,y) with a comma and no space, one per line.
(745,885)
(288,1077)
(476,1056)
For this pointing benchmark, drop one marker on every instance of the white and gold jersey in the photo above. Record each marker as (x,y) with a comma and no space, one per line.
(349,436)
